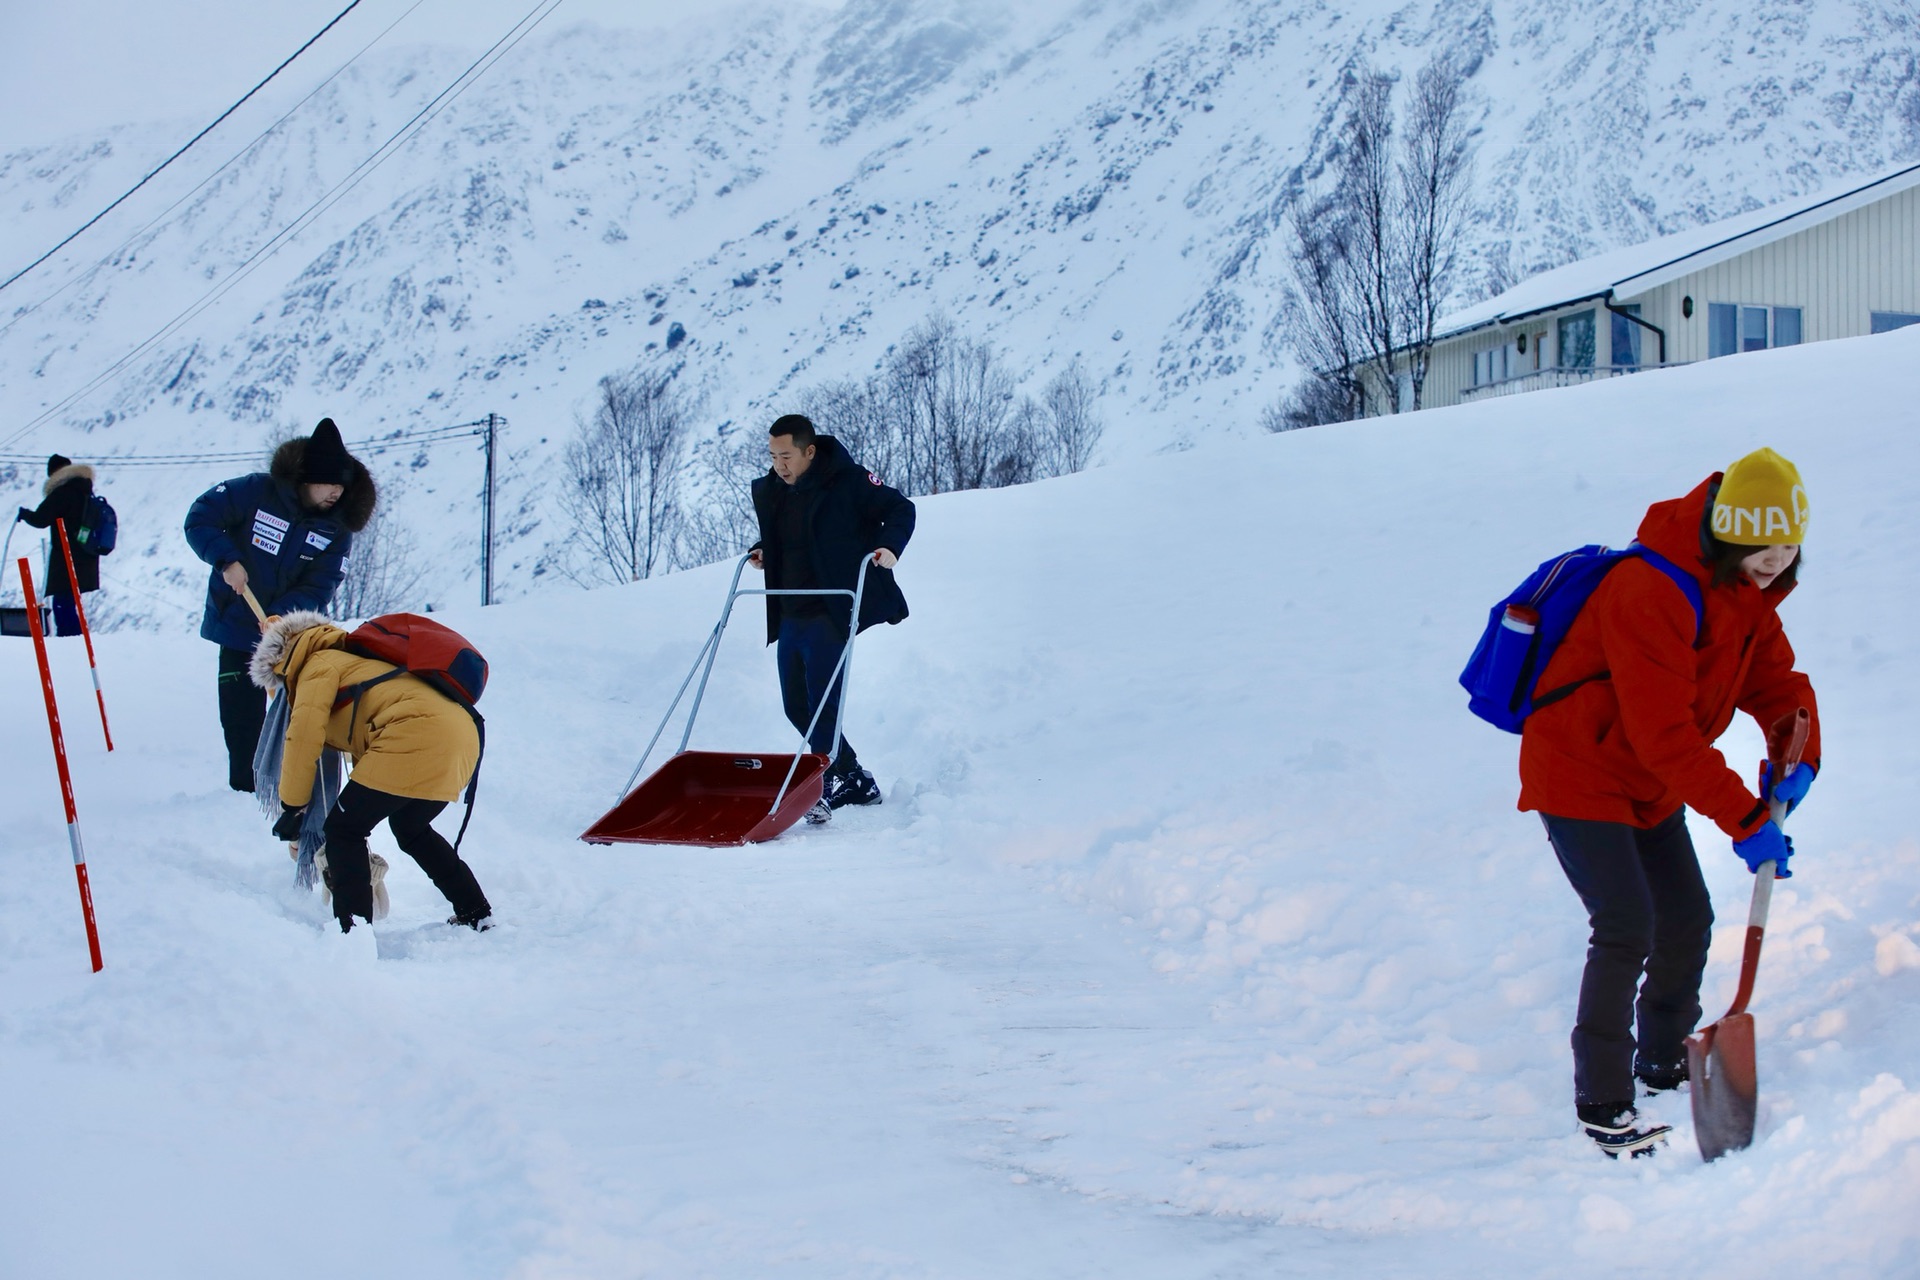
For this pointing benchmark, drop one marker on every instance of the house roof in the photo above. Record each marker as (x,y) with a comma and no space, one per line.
(1634,270)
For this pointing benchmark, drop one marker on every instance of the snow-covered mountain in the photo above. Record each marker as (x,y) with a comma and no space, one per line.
(770,196)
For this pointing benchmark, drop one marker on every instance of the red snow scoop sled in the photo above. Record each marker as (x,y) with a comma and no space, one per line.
(1723,1077)
(719,798)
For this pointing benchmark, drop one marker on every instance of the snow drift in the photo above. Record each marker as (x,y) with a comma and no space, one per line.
(1198,935)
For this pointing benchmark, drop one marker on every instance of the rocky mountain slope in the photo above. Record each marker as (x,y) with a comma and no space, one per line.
(768,197)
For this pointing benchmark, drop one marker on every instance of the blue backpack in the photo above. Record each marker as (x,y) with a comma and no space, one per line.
(99,529)
(1525,629)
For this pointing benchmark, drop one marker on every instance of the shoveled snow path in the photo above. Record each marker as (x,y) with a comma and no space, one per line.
(823,1055)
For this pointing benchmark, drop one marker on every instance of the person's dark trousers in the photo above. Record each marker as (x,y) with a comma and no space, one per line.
(1650,914)
(809,649)
(358,811)
(66,616)
(243,709)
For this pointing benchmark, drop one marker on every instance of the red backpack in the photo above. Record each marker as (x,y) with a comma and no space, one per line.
(422,647)
(438,656)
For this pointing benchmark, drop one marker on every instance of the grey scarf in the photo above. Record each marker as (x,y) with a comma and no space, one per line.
(328,777)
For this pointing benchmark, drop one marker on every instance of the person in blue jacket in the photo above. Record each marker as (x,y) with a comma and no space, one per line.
(67,495)
(820,515)
(284,532)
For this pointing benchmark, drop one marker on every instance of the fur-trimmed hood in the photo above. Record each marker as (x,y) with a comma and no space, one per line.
(356,505)
(72,471)
(287,644)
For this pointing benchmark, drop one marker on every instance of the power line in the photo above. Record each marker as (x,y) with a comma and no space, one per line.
(183,150)
(114,253)
(375,445)
(459,85)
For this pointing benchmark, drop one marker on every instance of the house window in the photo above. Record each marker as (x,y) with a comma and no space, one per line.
(1490,366)
(1888,321)
(1723,324)
(1733,327)
(1576,341)
(1626,338)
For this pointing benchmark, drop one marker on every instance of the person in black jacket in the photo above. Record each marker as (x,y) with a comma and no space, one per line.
(65,496)
(285,533)
(820,515)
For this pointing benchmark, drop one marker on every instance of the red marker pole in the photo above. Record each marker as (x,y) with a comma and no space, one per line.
(60,759)
(73,580)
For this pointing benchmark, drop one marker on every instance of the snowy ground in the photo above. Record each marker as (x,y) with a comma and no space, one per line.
(1197,937)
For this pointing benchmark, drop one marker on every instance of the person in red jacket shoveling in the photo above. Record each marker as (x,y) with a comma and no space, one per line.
(1611,765)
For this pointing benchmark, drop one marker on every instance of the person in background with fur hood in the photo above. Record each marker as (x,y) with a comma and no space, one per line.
(284,532)
(65,496)
(413,749)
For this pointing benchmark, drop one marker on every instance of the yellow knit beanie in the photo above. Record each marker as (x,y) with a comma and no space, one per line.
(1761,502)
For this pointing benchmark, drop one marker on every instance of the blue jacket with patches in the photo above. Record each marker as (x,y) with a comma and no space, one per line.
(295,557)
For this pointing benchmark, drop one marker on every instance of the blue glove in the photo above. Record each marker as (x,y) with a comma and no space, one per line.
(1769,842)
(1793,788)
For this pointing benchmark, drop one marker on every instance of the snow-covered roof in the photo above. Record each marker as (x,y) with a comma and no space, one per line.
(1638,268)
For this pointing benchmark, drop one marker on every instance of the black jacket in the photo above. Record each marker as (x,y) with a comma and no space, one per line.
(849,514)
(295,557)
(65,498)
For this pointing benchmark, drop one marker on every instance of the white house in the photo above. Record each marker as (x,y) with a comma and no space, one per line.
(1834,265)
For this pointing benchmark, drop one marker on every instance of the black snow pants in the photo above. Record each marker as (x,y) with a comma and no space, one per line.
(243,709)
(349,875)
(808,654)
(1651,916)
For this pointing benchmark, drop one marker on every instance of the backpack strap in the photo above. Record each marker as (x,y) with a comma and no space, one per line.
(473,783)
(351,693)
(1689,587)
(1688,584)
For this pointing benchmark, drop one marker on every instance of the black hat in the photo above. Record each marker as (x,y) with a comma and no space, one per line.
(324,460)
(56,462)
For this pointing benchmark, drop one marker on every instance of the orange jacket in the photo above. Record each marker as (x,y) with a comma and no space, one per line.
(1636,745)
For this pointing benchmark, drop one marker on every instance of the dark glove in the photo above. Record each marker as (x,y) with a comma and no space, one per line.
(288,827)
(24,513)
(1769,843)
(1792,788)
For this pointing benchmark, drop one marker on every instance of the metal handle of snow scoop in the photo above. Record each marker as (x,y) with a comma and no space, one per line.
(704,660)
(6,549)
(1785,755)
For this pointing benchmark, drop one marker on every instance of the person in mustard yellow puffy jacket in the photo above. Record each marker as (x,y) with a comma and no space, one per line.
(413,751)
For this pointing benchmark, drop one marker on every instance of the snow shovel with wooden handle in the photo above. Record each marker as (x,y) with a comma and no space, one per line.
(254,604)
(1723,1078)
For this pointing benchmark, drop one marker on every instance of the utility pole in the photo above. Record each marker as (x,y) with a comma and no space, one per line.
(492,430)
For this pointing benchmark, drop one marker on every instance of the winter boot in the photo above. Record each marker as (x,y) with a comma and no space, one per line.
(1615,1128)
(856,786)
(1661,1077)
(820,814)
(479,923)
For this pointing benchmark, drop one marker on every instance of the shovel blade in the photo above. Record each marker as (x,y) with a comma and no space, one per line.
(1724,1086)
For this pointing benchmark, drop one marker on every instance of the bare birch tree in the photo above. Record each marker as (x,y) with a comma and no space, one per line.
(1369,200)
(622,477)
(942,415)
(1435,182)
(1324,310)
(1073,429)
(382,575)
(1374,259)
